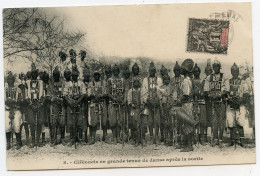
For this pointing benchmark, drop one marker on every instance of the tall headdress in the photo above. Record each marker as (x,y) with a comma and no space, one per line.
(152,66)
(196,68)
(234,67)
(187,65)
(63,56)
(176,66)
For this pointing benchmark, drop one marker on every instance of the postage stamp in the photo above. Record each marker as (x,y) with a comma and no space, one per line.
(208,36)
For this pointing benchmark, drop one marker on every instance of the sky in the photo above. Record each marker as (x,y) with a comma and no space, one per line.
(155,31)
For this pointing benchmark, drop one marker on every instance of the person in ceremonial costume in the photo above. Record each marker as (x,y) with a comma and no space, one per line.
(199,106)
(236,109)
(134,102)
(13,115)
(116,96)
(73,55)
(57,110)
(166,104)
(215,88)
(127,85)
(187,106)
(163,73)
(208,71)
(134,76)
(150,89)
(176,82)
(97,116)
(86,81)
(248,99)
(35,95)
(108,75)
(64,62)
(45,108)
(74,95)
(24,103)
(82,64)
(67,77)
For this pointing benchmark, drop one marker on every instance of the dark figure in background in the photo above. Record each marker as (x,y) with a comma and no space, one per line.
(199,106)
(74,95)
(215,88)
(116,95)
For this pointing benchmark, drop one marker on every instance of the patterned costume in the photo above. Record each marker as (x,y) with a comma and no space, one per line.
(74,93)
(134,76)
(116,93)
(45,108)
(108,74)
(35,94)
(150,88)
(208,71)
(236,109)
(187,103)
(199,106)
(125,106)
(134,102)
(235,113)
(57,110)
(67,76)
(166,105)
(116,89)
(187,106)
(86,80)
(176,83)
(97,112)
(215,87)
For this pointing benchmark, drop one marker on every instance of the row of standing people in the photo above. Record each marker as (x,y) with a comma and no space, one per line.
(180,109)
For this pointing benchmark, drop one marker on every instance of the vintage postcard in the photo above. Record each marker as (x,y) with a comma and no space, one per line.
(128,86)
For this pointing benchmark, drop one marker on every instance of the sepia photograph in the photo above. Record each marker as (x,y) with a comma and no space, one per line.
(123,86)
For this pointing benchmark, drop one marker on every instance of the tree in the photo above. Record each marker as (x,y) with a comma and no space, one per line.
(32,34)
